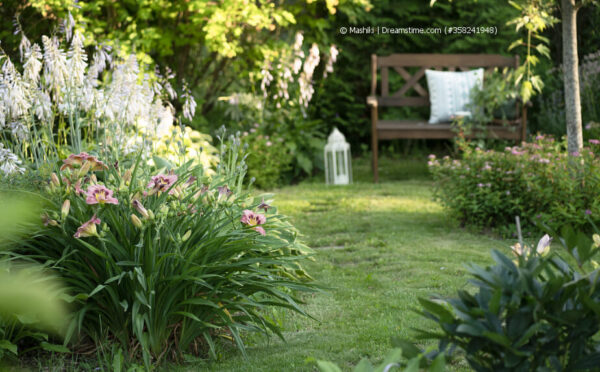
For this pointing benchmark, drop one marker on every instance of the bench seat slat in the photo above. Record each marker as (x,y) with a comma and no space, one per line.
(392,129)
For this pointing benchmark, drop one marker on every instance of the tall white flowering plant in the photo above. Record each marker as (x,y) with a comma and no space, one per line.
(62,101)
(277,107)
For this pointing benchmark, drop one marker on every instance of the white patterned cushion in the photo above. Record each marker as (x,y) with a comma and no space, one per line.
(449,92)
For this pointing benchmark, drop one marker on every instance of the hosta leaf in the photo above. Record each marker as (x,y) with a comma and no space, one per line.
(528,334)
(437,309)
(470,329)
(438,364)
(413,365)
(504,261)
(409,350)
(498,338)
(364,366)
(394,356)
(326,366)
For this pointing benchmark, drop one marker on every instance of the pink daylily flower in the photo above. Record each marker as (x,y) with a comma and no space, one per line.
(78,189)
(74,160)
(88,228)
(77,161)
(254,220)
(224,191)
(263,205)
(99,194)
(161,182)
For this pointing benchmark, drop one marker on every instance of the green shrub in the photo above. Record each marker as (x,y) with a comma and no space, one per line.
(534,313)
(268,158)
(489,188)
(165,262)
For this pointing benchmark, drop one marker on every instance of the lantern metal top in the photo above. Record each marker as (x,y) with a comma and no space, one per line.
(336,137)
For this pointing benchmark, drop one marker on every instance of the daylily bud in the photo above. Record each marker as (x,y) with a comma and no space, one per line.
(196,195)
(543,246)
(140,208)
(85,168)
(54,181)
(47,221)
(136,221)
(127,176)
(93,179)
(64,212)
(151,214)
(186,236)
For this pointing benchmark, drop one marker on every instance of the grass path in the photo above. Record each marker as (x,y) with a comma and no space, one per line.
(379,247)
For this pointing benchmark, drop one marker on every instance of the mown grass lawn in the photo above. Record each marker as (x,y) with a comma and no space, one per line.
(379,247)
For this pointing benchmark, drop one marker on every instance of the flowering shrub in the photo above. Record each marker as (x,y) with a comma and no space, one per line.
(533,313)
(538,181)
(60,103)
(165,262)
(280,108)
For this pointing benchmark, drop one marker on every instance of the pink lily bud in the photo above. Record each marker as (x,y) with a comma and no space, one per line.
(140,208)
(64,212)
(54,181)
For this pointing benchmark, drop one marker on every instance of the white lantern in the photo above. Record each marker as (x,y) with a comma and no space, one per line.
(338,166)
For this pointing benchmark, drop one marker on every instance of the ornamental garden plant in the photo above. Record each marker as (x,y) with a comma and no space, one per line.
(536,310)
(165,262)
(538,181)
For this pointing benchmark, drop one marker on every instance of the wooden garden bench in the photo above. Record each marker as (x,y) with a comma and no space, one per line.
(393,129)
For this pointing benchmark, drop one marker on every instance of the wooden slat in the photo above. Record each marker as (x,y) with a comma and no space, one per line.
(385,88)
(415,134)
(404,101)
(446,60)
(393,129)
(373,74)
(410,125)
(411,82)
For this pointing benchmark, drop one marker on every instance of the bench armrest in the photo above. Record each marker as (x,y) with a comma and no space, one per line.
(372,101)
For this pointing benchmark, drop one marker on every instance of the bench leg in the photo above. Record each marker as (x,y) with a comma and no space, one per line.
(374,143)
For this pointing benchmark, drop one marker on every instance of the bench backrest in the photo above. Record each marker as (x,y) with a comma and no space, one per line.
(451,62)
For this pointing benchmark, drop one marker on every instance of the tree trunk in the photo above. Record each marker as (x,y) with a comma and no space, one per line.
(571,76)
